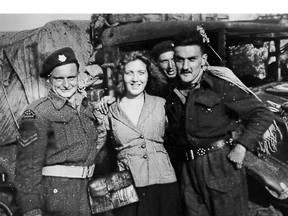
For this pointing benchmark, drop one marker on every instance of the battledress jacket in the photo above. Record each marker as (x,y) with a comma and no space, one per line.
(214,111)
(54,133)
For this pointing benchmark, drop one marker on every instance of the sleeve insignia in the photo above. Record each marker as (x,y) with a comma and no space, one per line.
(29,114)
(28,132)
(26,142)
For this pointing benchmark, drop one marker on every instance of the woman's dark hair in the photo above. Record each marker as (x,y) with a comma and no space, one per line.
(124,60)
(187,38)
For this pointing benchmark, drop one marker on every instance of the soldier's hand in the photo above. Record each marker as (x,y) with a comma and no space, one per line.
(104,104)
(236,155)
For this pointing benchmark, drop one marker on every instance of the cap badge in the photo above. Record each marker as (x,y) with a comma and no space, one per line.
(62,58)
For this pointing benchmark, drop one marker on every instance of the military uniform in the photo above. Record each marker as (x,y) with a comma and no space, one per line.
(56,138)
(175,136)
(211,184)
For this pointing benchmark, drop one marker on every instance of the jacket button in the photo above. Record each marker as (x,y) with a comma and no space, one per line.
(145,156)
(143,146)
(55,191)
(141,136)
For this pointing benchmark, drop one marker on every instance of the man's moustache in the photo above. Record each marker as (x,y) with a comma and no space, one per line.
(185,71)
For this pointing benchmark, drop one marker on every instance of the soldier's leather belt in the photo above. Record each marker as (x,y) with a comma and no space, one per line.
(69,171)
(192,154)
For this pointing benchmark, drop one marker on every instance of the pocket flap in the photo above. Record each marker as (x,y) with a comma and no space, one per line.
(60,119)
(160,148)
(224,184)
(209,100)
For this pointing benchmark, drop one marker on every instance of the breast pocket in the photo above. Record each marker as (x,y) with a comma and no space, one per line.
(209,112)
(60,130)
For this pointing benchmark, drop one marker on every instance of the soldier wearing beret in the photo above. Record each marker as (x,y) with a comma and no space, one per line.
(163,54)
(206,109)
(59,142)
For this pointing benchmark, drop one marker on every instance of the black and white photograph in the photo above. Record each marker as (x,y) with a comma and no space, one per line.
(143,112)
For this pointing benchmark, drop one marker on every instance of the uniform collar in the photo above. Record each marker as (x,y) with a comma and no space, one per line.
(207,79)
(57,101)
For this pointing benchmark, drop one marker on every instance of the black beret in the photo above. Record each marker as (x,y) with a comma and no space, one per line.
(162,47)
(59,57)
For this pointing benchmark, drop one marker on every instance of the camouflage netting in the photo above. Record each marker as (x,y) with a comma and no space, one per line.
(21,57)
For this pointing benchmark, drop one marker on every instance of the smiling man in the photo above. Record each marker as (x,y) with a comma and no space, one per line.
(163,53)
(58,144)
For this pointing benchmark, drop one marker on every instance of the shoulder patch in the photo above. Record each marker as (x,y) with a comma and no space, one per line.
(29,114)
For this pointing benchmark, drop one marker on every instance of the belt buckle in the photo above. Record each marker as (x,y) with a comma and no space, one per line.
(91,171)
(201,151)
(88,171)
(190,155)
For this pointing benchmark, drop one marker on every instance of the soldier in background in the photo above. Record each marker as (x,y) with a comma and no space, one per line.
(163,54)
(59,142)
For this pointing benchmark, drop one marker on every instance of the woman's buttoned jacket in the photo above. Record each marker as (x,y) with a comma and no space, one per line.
(140,147)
